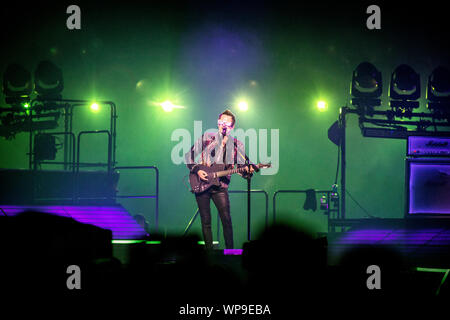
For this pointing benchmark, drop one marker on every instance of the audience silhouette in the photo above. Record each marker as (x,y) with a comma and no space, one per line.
(282,265)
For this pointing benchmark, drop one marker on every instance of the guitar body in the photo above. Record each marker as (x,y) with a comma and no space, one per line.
(198,185)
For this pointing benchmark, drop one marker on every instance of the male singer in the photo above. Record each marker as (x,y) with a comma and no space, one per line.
(216,147)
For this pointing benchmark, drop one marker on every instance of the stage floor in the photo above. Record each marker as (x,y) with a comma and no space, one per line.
(416,242)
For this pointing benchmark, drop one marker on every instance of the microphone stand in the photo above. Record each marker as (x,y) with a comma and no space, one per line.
(249,177)
(248,199)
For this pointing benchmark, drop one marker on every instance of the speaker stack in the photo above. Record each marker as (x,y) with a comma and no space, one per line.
(427,176)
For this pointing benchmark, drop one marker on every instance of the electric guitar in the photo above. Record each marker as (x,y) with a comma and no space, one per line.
(214,172)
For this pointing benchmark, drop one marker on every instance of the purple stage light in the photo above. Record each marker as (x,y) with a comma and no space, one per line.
(233,252)
(114,218)
(396,237)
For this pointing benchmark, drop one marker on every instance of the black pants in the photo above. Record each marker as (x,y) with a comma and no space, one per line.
(222,202)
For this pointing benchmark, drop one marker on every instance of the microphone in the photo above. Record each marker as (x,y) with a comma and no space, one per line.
(224,131)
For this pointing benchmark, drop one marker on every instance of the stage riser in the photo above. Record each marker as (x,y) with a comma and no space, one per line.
(114,218)
(418,242)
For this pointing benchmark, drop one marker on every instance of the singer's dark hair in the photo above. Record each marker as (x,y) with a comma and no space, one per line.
(228,113)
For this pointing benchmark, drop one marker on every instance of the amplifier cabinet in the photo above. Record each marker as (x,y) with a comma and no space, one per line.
(428,146)
(427,184)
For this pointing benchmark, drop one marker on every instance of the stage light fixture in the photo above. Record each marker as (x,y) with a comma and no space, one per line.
(366,86)
(48,81)
(95,107)
(167,106)
(404,90)
(322,106)
(243,105)
(438,91)
(17,85)
(405,83)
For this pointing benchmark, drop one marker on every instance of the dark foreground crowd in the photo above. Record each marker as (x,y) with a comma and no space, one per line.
(284,266)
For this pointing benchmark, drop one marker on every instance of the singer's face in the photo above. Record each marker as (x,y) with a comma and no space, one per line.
(225,121)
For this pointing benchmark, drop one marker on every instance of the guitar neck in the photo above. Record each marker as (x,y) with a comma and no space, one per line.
(228,172)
